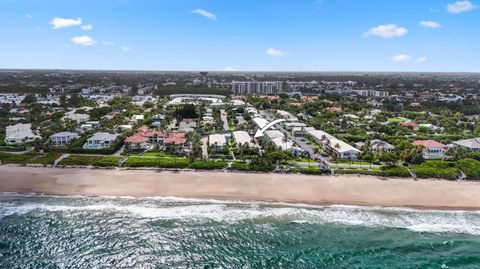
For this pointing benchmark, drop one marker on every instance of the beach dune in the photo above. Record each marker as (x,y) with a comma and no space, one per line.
(288,188)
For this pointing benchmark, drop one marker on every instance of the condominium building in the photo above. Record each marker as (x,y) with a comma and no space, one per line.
(257,87)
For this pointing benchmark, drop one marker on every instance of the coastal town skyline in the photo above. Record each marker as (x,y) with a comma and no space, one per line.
(434,36)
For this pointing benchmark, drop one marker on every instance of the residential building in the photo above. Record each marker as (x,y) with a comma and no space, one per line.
(341,149)
(257,87)
(378,146)
(100,140)
(241,138)
(175,138)
(78,117)
(63,138)
(372,93)
(217,142)
(431,149)
(472,144)
(19,134)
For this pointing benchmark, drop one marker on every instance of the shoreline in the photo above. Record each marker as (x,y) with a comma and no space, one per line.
(352,190)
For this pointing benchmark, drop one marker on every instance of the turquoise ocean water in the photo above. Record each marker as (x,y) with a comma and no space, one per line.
(81,232)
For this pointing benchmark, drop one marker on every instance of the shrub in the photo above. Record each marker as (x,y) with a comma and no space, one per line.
(395,171)
(208,165)
(240,166)
(157,162)
(471,168)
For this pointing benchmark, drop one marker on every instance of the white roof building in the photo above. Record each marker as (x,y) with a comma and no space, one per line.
(473,144)
(19,133)
(76,117)
(217,140)
(63,138)
(260,122)
(287,115)
(342,149)
(242,137)
(100,140)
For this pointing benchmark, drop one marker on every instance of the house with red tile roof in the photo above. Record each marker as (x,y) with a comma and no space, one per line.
(334,109)
(431,149)
(145,138)
(410,124)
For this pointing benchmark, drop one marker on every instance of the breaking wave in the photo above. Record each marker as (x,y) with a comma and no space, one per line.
(194,210)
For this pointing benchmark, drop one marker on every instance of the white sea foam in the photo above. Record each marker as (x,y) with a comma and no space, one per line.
(189,210)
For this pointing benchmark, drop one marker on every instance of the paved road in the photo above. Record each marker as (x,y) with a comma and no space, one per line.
(204,147)
(223,116)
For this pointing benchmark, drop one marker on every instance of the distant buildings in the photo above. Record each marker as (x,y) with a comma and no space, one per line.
(372,93)
(257,87)
(431,149)
(100,140)
(19,134)
(63,138)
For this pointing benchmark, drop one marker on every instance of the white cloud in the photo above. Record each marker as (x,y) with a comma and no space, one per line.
(126,49)
(229,69)
(274,52)
(83,40)
(422,60)
(401,58)
(430,24)
(205,13)
(87,27)
(386,31)
(461,6)
(28,16)
(58,23)
(108,43)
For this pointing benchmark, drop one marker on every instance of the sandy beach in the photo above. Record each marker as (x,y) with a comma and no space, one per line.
(288,188)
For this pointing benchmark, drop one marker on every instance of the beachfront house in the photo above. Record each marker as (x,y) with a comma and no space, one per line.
(19,134)
(472,144)
(242,138)
(431,149)
(340,149)
(100,140)
(218,142)
(63,138)
(378,146)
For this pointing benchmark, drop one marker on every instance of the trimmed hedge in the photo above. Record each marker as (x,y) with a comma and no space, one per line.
(91,160)
(174,163)
(240,166)
(395,171)
(30,158)
(157,162)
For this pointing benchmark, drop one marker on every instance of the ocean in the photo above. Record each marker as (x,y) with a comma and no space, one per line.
(122,232)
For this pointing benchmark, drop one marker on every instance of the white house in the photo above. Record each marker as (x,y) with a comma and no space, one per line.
(472,144)
(379,146)
(63,138)
(242,138)
(19,133)
(217,142)
(78,117)
(431,149)
(341,149)
(100,140)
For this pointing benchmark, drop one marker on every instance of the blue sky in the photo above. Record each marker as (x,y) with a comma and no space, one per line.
(244,35)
